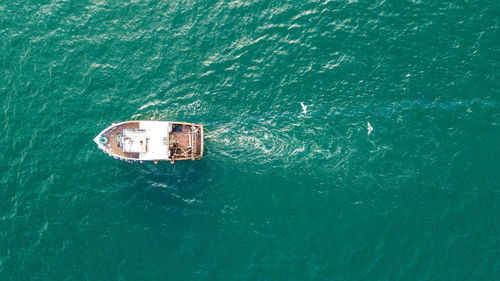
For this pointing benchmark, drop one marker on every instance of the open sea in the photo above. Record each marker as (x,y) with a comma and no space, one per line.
(292,186)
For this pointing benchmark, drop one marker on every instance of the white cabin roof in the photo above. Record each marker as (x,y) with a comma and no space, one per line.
(151,140)
(156,136)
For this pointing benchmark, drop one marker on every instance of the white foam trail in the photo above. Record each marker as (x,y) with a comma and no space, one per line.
(370,128)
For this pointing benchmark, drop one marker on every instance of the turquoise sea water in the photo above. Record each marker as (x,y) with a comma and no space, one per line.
(281,194)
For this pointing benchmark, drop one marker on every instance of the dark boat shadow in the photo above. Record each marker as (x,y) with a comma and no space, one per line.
(159,193)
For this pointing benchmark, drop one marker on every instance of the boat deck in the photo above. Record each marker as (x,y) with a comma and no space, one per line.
(180,146)
(112,134)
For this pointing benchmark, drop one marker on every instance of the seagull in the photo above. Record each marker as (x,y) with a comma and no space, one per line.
(304,108)
(370,128)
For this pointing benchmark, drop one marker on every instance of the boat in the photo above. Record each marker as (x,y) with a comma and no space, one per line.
(139,141)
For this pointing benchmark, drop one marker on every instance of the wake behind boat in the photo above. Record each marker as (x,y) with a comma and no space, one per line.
(134,141)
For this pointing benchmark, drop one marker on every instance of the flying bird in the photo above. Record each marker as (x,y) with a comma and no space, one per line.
(304,108)
(370,128)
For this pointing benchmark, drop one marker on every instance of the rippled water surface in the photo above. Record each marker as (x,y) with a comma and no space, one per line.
(292,187)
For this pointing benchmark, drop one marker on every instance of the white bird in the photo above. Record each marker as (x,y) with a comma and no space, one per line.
(370,128)
(304,108)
